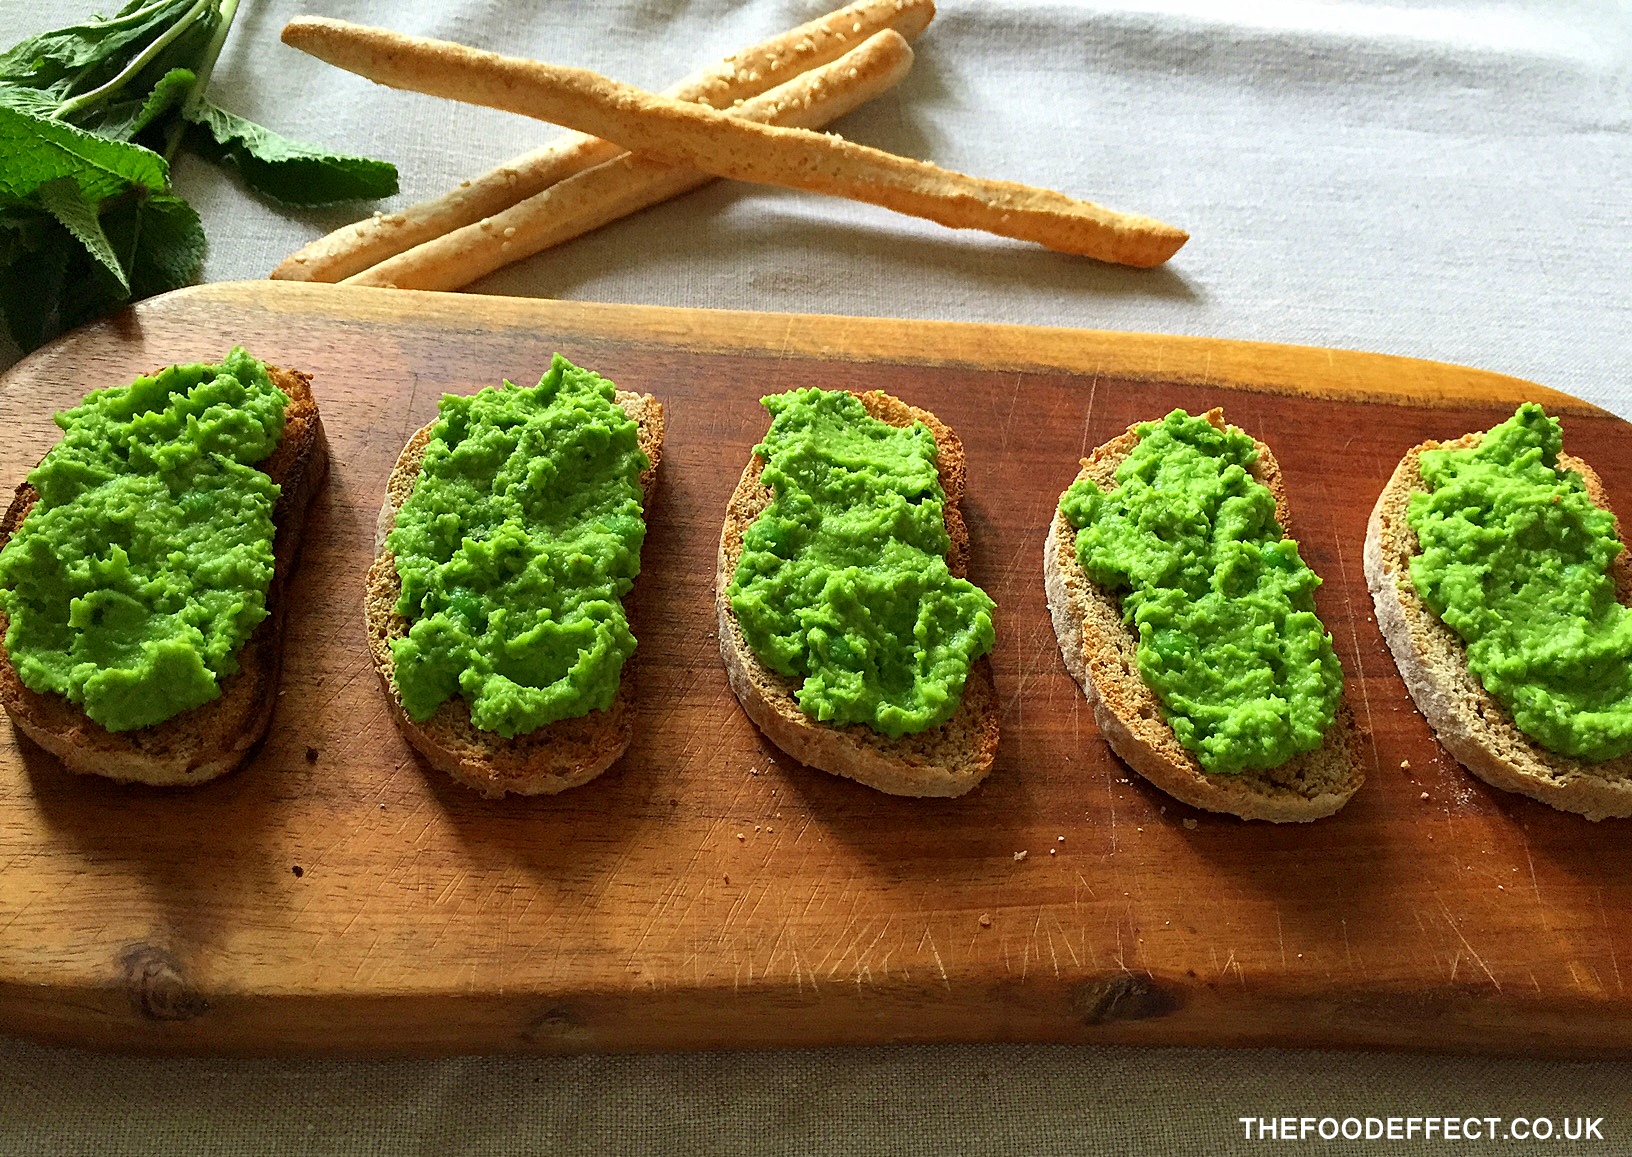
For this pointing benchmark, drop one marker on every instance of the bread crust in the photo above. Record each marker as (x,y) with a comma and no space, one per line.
(1433,662)
(212,739)
(551,759)
(944,761)
(1099,651)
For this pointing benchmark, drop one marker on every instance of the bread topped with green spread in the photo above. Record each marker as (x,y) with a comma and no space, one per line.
(875,543)
(494,604)
(1503,591)
(143,593)
(1209,631)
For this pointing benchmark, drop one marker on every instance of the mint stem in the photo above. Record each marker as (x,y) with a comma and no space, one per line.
(96,96)
(135,17)
(201,77)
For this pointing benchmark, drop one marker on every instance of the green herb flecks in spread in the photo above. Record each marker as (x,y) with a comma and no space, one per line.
(515,550)
(1515,558)
(1221,601)
(144,565)
(90,117)
(843,580)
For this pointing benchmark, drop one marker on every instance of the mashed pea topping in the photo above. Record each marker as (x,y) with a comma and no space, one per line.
(843,581)
(144,565)
(515,550)
(1222,603)
(1515,559)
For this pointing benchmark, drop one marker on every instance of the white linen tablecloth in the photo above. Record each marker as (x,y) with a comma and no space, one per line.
(1445,180)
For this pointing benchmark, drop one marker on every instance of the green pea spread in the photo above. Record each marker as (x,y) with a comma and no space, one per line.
(144,565)
(1221,600)
(843,580)
(1515,559)
(515,550)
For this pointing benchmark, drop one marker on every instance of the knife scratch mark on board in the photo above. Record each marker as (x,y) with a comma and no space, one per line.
(1088,418)
(1477,959)
(936,953)
(1609,936)
(838,942)
(1432,949)
(1008,419)
(864,957)
(883,961)
(1054,956)
(1352,613)
(1535,884)
(368,955)
(28,902)
(1348,957)
(1065,938)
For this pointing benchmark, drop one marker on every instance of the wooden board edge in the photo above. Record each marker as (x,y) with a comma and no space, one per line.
(155,1015)
(1309,371)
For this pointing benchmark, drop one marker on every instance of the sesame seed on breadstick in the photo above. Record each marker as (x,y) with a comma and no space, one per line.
(727,146)
(353,248)
(630,182)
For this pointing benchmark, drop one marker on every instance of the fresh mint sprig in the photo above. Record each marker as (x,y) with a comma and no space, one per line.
(90,117)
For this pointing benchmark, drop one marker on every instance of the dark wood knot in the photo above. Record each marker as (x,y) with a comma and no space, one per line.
(1122,997)
(557,1022)
(158,987)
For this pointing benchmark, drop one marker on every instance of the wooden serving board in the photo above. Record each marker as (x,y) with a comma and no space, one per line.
(337,896)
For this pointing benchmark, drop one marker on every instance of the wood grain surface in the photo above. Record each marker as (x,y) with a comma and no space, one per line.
(337,896)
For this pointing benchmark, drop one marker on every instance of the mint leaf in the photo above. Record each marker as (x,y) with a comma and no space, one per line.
(83,55)
(161,241)
(282,169)
(49,282)
(29,100)
(87,219)
(31,282)
(124,120)
(63,200)
(37,150)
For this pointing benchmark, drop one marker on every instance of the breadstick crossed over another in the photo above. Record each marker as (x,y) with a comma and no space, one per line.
(354,248)
(631,182)
(715,142)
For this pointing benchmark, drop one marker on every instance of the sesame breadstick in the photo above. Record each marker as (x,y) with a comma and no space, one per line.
(726,146)
(353,248)
(628,183)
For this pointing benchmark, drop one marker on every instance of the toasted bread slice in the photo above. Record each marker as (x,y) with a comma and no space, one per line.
(948,760)
(563,754)
(1433,661)
(1100,652)
(212,739)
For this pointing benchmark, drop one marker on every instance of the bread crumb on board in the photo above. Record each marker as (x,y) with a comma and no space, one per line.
(1019,855)
(985,919)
